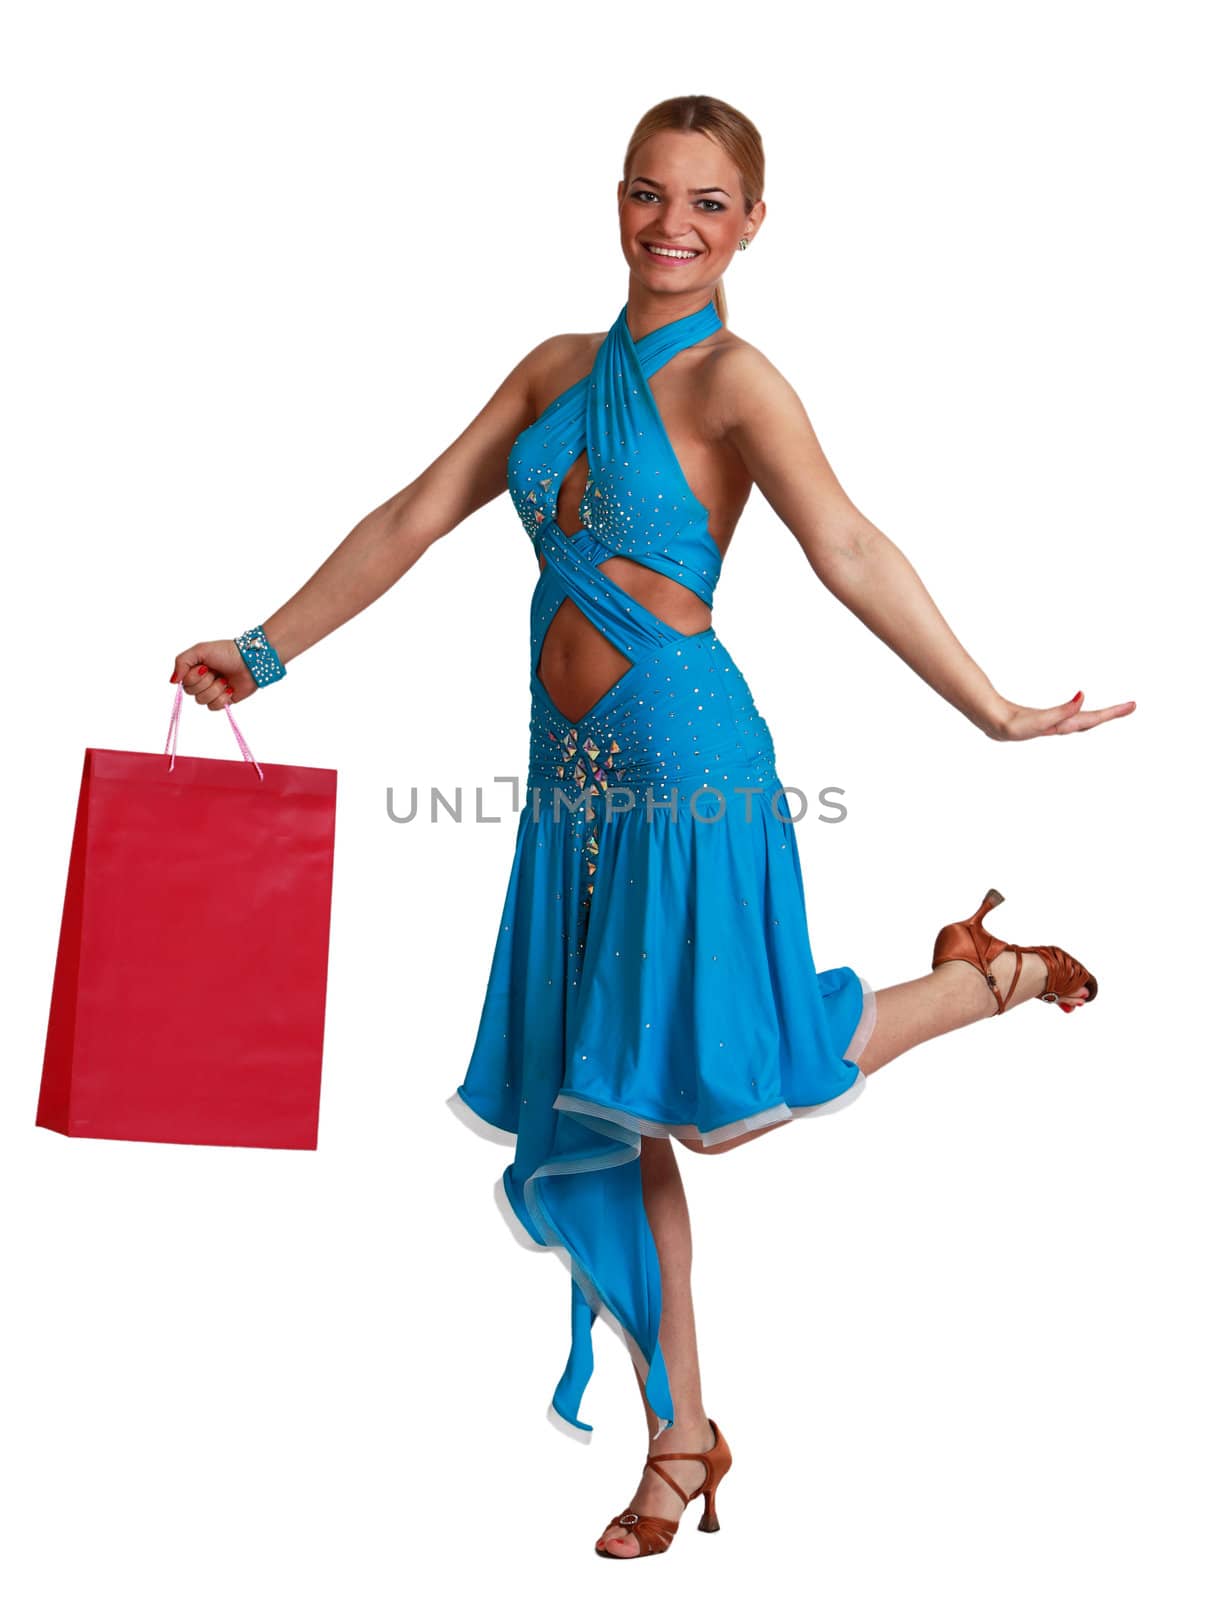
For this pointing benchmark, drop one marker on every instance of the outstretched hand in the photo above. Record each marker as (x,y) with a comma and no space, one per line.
(1026,722)
(214,674)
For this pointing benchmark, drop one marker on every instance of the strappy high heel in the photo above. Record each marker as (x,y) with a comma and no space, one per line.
(655,1534)
(969,941)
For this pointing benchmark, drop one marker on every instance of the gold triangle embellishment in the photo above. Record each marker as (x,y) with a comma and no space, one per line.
(544,482)
(596,492)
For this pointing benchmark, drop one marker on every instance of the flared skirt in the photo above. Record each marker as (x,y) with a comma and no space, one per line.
(652,975)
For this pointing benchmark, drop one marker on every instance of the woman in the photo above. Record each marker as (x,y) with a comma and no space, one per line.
(652,977)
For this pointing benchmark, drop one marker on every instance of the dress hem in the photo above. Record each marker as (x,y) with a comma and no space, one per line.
(628,1130)
(597,1113)
(864,1028)
(472,1119)
(476,1123)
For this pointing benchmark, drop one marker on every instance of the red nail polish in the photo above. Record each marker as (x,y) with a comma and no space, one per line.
(202,669)
(1079,694)
(173,678)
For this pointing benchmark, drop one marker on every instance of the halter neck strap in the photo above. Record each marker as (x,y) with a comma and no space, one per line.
(658,346)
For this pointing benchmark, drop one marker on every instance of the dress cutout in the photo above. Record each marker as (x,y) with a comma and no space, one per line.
(652,973)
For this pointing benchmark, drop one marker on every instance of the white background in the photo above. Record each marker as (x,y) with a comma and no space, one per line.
(264,263)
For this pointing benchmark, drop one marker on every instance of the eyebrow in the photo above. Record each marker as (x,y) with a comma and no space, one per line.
(657,185)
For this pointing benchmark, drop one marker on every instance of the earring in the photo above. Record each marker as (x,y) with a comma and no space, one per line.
(742,244)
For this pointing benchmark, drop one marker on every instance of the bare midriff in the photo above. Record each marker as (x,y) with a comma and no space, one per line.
(577,664)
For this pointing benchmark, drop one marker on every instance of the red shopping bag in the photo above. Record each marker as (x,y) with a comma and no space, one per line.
(187,1005)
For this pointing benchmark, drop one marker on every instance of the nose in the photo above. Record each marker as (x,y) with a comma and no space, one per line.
(675,223)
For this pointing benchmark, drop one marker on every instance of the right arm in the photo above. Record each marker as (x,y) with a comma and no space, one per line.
(384,545)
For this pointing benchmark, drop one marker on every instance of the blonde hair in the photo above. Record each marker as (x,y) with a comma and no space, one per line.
(727,127)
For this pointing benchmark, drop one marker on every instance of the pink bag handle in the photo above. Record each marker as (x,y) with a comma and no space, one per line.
(172,735)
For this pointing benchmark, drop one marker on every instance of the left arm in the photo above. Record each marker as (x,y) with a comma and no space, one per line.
(763,418)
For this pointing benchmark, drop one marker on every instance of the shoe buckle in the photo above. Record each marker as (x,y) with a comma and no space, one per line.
(628,1518)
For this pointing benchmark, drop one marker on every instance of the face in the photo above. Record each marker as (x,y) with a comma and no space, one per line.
(684,195)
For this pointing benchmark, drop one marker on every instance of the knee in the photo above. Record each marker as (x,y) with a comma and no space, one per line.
(699,1148)
(730,1144)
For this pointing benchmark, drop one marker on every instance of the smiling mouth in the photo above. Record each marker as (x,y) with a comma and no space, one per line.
(668,253)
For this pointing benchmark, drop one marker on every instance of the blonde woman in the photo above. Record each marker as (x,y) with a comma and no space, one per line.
(652,977)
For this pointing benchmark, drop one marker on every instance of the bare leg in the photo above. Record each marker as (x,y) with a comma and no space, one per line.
(668,1214)
(908,1014)
(924,1008)
(953,995)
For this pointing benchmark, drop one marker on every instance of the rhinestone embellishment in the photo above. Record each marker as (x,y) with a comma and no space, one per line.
(259,656)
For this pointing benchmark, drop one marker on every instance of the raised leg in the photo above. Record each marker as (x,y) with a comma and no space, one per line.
(950,997)
(908,1014)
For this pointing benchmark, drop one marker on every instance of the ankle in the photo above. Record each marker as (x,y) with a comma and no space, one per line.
(691,1431)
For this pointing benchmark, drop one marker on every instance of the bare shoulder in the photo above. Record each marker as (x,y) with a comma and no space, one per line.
(557,362)
(743,384)
(753,409)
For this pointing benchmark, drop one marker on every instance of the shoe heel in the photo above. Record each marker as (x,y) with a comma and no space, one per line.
(956,942)
(709,1522)
(971,942)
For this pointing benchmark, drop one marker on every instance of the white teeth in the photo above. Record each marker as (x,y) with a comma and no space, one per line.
(680,255)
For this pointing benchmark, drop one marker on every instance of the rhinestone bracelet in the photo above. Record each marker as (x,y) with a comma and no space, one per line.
(262,660)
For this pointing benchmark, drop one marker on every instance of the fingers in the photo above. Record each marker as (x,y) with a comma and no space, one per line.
(209,688)
(1071,717)
(1066,712)
(1082,720)
(1059,719)
(1031,722)
(214,673)
(1091,719)
(216,692)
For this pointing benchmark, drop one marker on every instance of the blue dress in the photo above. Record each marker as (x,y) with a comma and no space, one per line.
(652,972)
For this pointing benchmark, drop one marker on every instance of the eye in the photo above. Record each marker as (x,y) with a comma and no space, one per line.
(639,194)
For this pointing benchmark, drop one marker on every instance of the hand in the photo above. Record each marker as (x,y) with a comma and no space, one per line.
(1023,722)
(215,674)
